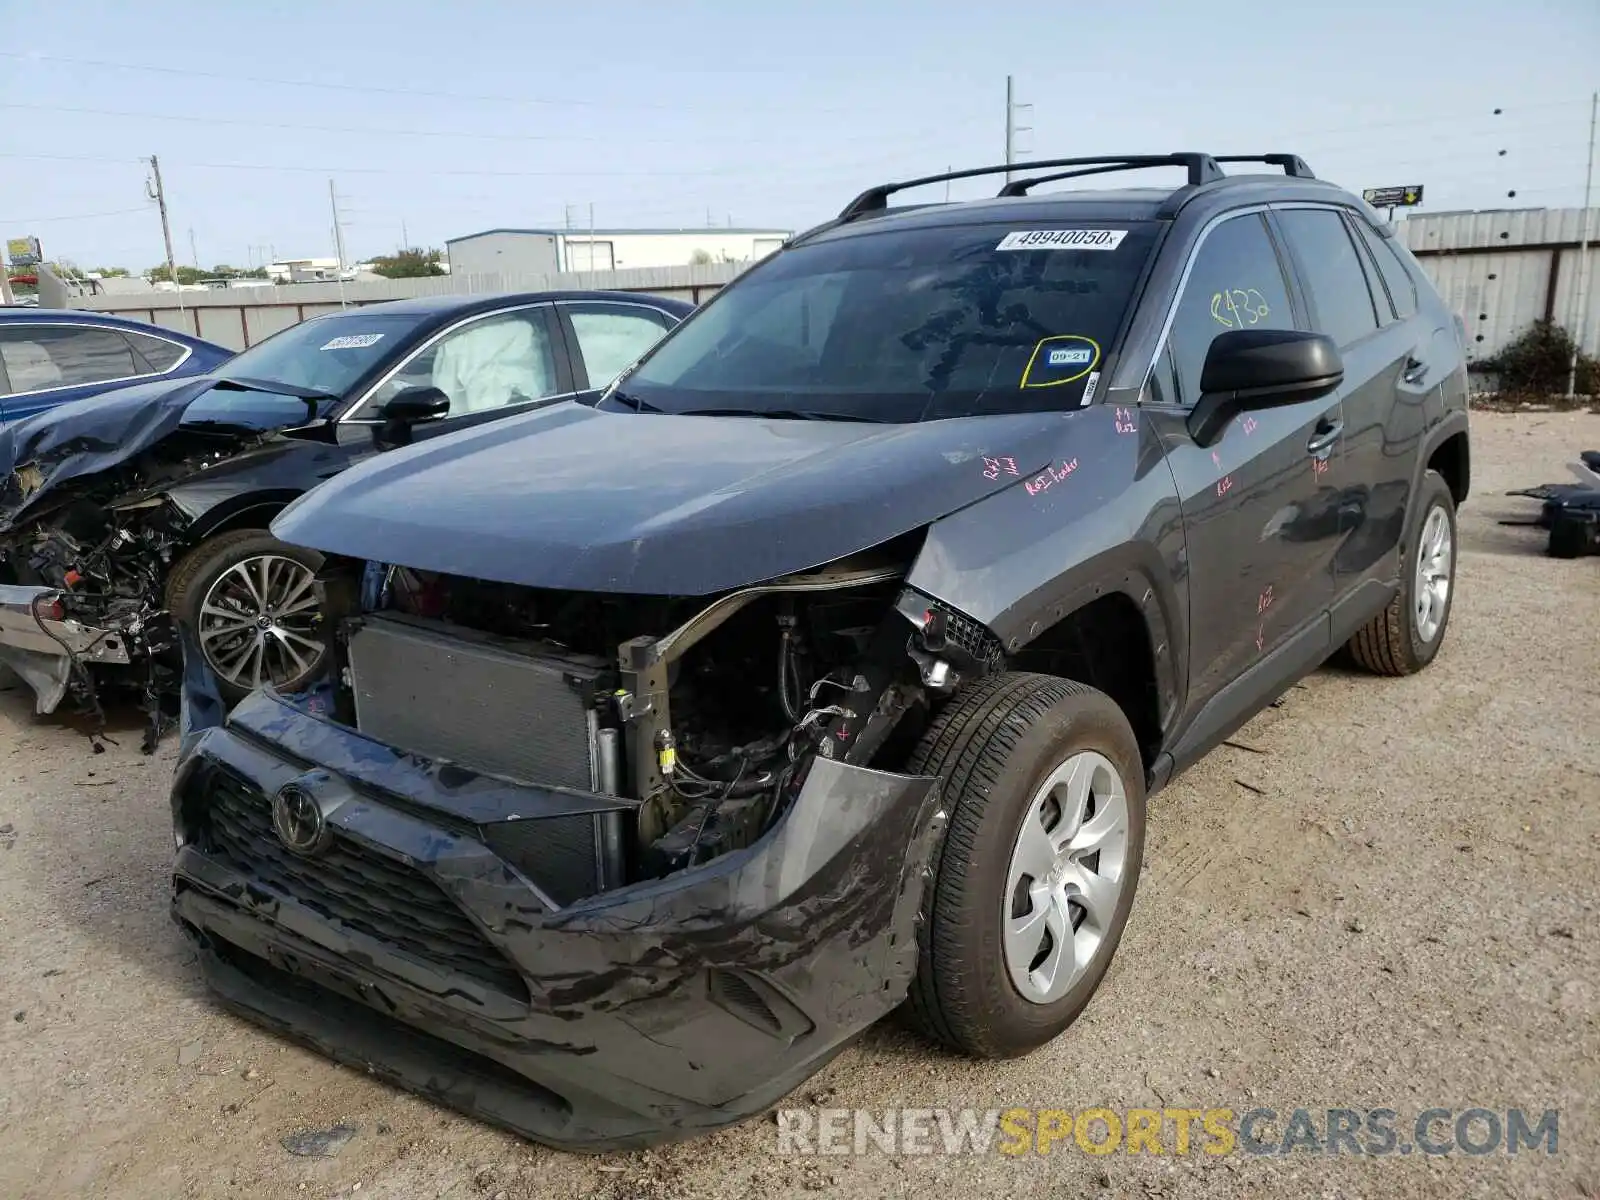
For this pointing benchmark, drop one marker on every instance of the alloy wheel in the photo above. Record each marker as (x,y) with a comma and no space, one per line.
(258,622)
(1435,562)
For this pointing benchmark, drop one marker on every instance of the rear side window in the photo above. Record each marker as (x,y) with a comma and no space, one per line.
(612,336)
(1235,282)
(40,357)
(908,325)
(159,353)
(1333,273)
(1402,288)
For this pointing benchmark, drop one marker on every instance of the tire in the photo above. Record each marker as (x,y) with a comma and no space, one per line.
(1395,642)
(281,647)
(993,747)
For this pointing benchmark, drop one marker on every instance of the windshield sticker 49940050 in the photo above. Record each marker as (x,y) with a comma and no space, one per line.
(1062,239)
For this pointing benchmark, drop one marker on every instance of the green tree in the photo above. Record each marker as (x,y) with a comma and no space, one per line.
(111,272)
(408,264)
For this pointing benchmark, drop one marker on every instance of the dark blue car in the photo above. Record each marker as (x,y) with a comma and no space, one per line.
(51,356)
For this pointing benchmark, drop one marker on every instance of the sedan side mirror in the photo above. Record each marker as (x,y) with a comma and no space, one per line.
(409,407)
(415,404)
(1248,369)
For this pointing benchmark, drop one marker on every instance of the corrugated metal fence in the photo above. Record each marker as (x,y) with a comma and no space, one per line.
(1504,269)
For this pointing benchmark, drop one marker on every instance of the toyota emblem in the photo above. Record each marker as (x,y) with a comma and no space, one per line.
(299,821)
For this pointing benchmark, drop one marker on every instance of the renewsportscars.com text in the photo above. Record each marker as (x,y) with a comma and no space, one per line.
(1265,1132)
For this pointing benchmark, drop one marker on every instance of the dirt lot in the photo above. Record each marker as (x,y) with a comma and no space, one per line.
(1392,900)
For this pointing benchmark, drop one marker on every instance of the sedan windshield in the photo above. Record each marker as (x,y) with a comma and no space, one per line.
(904,325)
(326,355)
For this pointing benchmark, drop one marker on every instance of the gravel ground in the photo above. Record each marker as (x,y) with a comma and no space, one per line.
(1392,899)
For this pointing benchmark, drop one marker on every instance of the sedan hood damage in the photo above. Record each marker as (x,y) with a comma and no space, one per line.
(578,499)
(90,437)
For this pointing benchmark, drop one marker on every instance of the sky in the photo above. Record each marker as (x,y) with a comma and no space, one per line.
(437,120)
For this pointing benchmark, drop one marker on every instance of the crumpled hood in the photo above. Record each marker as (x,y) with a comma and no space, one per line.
(574,498)
(86,437)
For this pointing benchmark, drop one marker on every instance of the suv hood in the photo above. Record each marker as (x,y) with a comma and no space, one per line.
(89,436)
(574,498)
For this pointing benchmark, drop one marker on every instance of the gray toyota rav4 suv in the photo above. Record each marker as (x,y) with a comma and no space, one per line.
(825,664)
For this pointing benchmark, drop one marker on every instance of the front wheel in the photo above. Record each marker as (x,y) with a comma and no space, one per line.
(1035,879)
(250,601)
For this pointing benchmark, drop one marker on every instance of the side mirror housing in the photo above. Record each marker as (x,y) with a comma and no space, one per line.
(411,407)
(417,404)
(1248,369)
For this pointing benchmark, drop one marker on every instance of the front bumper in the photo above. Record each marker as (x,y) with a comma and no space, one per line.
(652,1012)
(42,650)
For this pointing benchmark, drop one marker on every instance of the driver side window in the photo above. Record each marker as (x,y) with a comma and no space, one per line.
(486,364)
(1236,282)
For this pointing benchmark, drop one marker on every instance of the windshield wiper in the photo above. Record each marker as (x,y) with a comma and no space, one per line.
(780,414)
(311,395)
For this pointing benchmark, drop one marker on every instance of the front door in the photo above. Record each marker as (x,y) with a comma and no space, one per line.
(1260,507)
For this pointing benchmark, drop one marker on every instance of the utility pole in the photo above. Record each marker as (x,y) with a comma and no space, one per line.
(338,239)
(159,195)
(194,254)
(1012,128)
(405,238)
(1011,134)
(1582,297)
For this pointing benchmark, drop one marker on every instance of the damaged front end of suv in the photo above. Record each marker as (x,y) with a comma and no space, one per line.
(713,885)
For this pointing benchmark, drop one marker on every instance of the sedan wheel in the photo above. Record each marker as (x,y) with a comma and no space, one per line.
(258,622)
(251,602)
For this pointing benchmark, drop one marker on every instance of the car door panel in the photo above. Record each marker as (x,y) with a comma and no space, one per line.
(1260,502)
(1383,409)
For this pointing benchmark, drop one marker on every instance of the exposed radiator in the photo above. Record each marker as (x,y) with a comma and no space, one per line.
(483,702)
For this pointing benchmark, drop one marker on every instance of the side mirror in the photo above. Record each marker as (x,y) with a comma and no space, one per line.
(411,407)
(1248,369)
(416,404)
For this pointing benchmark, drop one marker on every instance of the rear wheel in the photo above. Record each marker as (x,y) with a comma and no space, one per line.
(250,601)
(1035,879)
(1405,636)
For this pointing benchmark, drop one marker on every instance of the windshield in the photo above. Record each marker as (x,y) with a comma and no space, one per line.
(326,354)
(905,326)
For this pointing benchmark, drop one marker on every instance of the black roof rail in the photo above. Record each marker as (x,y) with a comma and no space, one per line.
(1293,165)
(1202,168)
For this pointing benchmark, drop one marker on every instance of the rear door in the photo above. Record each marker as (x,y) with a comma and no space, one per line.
(1382,399)
(1258,525)
(607,337)
(49,364)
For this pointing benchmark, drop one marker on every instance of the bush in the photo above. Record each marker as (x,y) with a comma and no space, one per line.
(1537,360)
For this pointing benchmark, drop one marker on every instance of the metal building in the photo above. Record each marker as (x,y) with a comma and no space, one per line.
(511,253)
(1503,269)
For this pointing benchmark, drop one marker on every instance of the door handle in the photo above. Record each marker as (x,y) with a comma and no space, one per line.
(1322,441)
(1415,370)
